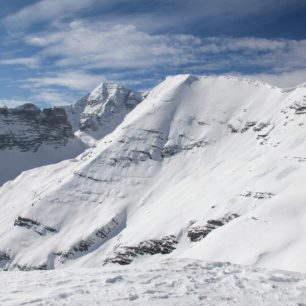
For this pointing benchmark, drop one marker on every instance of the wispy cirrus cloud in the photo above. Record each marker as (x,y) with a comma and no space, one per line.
(30,62)
(60,88)
(101,45)
(73,79)
(45,11)
(52,97)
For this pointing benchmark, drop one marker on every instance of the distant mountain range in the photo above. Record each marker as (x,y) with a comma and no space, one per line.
(31,137)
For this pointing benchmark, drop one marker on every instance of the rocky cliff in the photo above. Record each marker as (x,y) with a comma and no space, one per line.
(27,127)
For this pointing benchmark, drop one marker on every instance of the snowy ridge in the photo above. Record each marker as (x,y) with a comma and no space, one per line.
(196,152)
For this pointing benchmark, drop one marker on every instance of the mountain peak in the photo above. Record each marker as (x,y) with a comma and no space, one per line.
(99,112)
(105,90)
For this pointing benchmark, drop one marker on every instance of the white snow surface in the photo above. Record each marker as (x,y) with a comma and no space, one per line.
(171,282)
(196,149)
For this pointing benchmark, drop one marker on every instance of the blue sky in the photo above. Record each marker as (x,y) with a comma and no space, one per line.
(54,51)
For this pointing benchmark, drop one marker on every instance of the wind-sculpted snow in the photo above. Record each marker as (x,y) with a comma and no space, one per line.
(171,282)
(196,149)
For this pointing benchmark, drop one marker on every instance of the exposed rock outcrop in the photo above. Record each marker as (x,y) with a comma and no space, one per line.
(262,129)
(31,268)
(257,195)
(4,256)
(34,225)
(197,233)
(95,240)
(171,150)
(125,254)
(299,107)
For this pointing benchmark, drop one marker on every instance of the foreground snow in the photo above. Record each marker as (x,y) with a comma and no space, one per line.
(184,282)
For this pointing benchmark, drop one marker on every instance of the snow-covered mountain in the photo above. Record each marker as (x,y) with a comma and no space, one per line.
(209,168)
(31,137)
(100,112)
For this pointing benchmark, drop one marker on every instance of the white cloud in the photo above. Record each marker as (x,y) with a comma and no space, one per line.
(101,45)
(243,44)
(30,62)
(46,10)
(283,80)
(54,98)
(60,88)
(75,80)
(10,103)
(80,46)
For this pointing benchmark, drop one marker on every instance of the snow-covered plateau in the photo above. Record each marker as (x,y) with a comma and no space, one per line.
(201,170)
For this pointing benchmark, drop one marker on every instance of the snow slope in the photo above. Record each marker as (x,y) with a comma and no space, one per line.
(209,168)
(183,282)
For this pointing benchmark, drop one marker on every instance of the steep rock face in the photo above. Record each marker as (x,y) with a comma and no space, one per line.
(174,169)
(27,127)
